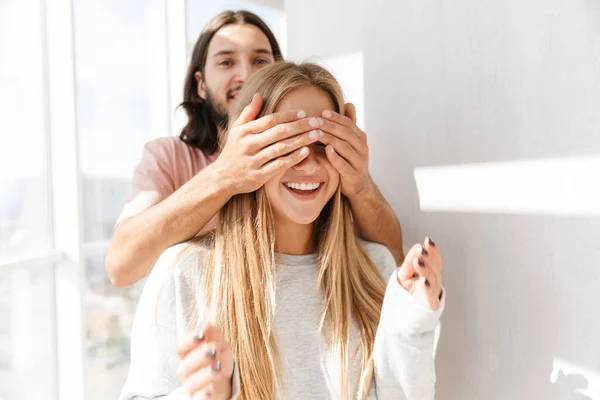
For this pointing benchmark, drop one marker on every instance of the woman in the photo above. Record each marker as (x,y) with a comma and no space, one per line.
(283,300)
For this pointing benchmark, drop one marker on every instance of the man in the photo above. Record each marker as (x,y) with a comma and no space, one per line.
(182,182)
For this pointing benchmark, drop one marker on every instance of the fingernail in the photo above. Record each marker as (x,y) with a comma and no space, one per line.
(304,151)
(211,353)
(217,366)
(313,122)
(327,114)
(301,114)
(431,242)
(421,263)
(321,133)
(200,337)
(321,121)
(312,135)
(424,251)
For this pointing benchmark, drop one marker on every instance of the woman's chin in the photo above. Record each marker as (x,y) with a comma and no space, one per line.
(303,219)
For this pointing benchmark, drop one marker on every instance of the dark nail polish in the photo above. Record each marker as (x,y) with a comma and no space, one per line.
(421,263)
(200,337)
(424,251)
(217,366)
(431,242)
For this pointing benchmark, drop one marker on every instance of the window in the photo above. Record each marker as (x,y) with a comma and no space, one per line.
(27,347)
(122,102)
(24,206)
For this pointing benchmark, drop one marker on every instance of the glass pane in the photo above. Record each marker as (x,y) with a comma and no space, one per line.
(109,318)
(24,205)
(27,346)
(121,85)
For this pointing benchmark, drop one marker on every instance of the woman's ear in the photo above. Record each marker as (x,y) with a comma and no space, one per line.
(201,85)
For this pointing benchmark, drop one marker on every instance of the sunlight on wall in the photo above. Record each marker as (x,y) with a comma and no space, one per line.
(562,368)
(565,187)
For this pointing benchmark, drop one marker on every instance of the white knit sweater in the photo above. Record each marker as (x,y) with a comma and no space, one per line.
(403,351)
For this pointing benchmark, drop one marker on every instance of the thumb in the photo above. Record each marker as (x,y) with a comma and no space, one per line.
(407,269)
(250,112)
(351,112)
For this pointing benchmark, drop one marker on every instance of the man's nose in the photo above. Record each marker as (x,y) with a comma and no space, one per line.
(244,71)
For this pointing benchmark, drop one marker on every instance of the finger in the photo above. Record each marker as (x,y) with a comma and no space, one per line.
(351,112)
(344,133)
(285,131)
(204,381)
(250,112)
(214,390)
(269,121)
(339,163)
(433,253)
(286,146)
(191,342)
(209,333)
(345,121)
(431,262)
(407,269)
(430,291)
(199,358)
(424,272)
(271,168)
(345,150)
(336,117)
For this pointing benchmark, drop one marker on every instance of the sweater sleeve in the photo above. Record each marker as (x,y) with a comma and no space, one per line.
(159,324)
(404,343)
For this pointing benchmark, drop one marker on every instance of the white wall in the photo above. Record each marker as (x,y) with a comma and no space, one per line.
(473,82)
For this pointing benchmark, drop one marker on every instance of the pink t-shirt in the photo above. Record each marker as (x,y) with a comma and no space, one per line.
(166,165)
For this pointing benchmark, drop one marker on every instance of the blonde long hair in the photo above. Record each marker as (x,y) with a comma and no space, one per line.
(239,275)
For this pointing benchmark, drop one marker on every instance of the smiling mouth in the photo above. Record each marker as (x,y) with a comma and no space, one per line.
(304,191)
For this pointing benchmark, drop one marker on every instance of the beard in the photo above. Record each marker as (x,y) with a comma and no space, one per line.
(217,110)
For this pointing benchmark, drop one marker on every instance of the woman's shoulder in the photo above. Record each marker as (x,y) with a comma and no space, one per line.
(380,255)
(182,259)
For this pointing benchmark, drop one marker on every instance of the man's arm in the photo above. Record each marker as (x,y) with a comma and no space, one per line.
(348,152)
(138,241)
(246,162)
(376,220)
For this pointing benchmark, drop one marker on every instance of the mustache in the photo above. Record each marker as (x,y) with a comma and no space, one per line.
(231,91)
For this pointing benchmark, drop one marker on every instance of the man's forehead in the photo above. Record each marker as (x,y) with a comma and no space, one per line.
(237,39)
(230,51)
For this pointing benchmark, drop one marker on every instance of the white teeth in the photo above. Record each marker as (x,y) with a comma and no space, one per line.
(303,186)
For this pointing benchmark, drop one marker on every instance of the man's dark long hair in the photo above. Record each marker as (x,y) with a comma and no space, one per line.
(201,131)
